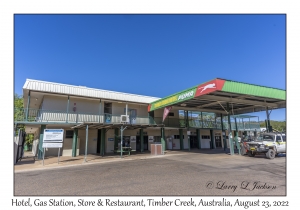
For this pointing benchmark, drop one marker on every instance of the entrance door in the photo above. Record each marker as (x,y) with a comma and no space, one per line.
(193,142)
(218,141)
(138,143)
(145,143)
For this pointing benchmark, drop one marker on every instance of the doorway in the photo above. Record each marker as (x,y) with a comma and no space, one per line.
(218,141)
(193,142)
(138,143)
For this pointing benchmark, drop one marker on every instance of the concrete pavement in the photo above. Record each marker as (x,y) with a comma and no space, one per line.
(198,172)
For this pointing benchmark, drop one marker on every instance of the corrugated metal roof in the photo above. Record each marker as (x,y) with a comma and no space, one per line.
(51,87)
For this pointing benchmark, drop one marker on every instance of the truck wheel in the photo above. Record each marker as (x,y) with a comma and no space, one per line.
(270,154)
(250,154)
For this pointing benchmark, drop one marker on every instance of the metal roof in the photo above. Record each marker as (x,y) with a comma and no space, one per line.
(216,94)
(57,88)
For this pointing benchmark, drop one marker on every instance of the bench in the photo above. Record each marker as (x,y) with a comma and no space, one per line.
(128,150)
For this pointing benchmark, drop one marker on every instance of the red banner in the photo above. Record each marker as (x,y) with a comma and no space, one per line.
(166,112)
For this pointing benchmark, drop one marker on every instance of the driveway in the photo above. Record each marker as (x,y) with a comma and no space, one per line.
(178,173)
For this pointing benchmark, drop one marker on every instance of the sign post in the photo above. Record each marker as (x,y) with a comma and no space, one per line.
(53,138)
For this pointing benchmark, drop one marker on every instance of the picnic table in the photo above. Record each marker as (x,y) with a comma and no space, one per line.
(124,150)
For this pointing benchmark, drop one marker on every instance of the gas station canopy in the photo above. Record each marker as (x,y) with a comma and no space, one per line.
(221,96)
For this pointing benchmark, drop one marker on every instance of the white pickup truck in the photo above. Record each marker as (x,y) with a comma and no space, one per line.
(271,144)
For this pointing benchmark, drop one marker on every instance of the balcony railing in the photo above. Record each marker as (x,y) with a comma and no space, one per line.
(41,115)
(198,123)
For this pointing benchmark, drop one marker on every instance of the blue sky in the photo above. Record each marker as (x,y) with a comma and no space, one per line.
(155,55)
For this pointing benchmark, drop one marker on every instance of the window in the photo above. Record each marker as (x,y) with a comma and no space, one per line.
(205,137)
(108,108)
(69,133)
(157,139)
(268,137)
(171,114)
(278,138)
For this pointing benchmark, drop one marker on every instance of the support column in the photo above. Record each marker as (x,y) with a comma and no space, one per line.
(163,141)
(27,109)
(74,145)
(100,111)
(41,151)
(223,135)
(142,139)
(212,139)
(116,138)
(198,138)
(102,149)
(269,128)
(229,131)
(236,128)
(181,138)
(236,137)
(186,113)
(68,109)
(86,141)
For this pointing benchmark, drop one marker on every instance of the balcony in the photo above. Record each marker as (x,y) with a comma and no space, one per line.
(52,116)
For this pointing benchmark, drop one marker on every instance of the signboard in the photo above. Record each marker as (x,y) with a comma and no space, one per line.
(111,139)
(53,138)
(150,138)
(52,145)
(53,135)
(183,96)
(132,138)
(188,133)
(209,87)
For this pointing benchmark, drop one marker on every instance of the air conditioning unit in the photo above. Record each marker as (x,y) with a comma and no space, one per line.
(124,119)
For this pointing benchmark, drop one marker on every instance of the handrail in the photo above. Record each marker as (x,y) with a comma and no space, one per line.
(45,115)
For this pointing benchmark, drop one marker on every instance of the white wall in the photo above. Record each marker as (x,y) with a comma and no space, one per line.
(67,147)
(109,145)
(92,141)
(60,103)
(118,109)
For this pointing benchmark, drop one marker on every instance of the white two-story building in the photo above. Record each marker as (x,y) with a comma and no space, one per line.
(201,110)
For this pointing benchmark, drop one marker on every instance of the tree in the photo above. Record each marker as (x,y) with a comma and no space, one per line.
(29,139)
(277,125)
(18,110)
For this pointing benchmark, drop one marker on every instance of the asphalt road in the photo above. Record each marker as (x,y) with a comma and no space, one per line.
(180,174)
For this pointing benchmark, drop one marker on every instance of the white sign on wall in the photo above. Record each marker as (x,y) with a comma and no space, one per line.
(132,138)
(150,138)
(53,135)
